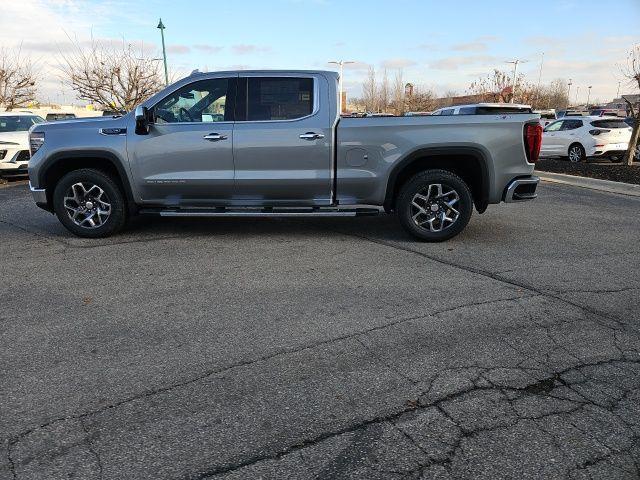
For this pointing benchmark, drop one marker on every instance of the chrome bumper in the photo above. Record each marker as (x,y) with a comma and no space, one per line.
(521,189)
(39,195)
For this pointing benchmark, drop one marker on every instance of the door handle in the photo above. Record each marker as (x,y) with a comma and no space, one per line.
(311,136)
(214,137)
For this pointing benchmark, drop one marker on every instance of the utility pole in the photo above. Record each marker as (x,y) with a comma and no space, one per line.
(341,64)
(540,76)
(569,93)
(589,96)
(515,77)
(164,52)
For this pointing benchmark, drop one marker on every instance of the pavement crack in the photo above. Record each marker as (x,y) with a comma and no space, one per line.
(246,363)
(92,449)
(536,388)
(487,274)
(12,466)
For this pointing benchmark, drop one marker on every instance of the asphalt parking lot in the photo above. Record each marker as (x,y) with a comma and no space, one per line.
(324,348)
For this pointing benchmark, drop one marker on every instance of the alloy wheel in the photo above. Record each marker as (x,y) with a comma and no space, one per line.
(87,205)
(575,154)
(433,207)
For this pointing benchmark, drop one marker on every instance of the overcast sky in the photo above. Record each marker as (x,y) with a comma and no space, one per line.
(441,45)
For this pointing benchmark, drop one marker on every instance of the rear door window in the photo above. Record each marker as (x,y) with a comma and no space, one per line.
(610,124)
(275,98)
(571,124)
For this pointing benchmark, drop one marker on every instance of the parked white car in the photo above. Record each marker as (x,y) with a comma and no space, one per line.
(581,137)
(14,141)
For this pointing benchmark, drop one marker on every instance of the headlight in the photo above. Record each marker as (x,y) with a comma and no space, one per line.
(36,139)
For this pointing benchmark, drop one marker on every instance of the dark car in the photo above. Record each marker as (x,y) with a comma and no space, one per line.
(52,117)
(113,113)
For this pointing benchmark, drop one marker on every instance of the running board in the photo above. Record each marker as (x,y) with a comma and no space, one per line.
(262,212)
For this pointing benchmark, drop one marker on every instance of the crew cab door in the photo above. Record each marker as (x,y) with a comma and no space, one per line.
(283,140)
(187,156)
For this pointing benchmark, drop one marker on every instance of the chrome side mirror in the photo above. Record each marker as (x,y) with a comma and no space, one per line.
(142,120)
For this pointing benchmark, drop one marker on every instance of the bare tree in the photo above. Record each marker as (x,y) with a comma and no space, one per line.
(497,87)
(383,100)
(421,101)
(631,72)
(553,95)
(370,92)
(398,93)
(17,80)
(114,77)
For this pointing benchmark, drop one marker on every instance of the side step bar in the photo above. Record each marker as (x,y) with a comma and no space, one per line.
(262,212)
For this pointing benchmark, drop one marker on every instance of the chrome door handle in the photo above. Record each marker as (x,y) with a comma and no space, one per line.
(311,136)
(214,137)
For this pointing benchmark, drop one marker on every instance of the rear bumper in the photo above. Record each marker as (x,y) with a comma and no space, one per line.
(521,189)
(607,149)
(40,197)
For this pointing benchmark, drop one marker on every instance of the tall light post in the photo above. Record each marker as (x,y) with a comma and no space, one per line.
(618,92)
(589,95)
(515,77)
(569,93)
(577,92)
(540,76)
(161,27)
(341,64)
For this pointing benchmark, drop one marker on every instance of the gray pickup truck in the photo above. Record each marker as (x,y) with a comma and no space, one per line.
(273,143)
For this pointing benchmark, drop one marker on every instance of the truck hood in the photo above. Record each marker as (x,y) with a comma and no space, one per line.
(82,123)
(19,138)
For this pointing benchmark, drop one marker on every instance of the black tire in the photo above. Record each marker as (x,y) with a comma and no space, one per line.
(576,153)
(108,224)
(426,182)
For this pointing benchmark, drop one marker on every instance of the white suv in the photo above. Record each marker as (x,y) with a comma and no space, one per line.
(14,141)
(581,137)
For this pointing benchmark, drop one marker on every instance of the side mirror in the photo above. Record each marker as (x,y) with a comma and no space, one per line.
(142,120)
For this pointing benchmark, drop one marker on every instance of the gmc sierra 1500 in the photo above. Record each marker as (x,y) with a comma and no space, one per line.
(266,143)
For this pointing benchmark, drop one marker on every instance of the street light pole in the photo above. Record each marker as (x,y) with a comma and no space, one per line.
(589,96)
(540,76)
(515,76)
(618,92)
(164,52)
(569,93)
(341,64)
(577,92)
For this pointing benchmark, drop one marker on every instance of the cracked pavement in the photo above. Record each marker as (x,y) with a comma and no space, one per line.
(324,348)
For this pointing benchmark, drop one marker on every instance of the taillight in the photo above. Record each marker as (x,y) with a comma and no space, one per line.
(597,132)
(532,141)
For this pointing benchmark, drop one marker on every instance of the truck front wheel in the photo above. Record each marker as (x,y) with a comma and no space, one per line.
(89,203)
(434,205)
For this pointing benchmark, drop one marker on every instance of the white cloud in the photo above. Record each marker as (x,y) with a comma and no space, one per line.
(244,49)
(397,63)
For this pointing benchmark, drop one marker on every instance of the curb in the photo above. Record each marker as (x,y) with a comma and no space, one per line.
(591,183)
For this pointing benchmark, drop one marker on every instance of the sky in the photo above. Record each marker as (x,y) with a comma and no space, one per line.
(442,45)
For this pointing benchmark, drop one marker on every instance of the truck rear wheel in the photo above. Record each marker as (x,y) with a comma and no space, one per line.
(89,203)
(434,205)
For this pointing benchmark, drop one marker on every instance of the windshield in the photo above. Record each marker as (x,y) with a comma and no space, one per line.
(18,123)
